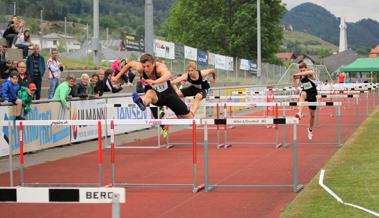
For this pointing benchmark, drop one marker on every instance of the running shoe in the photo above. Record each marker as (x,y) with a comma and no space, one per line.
(161,113)
(299,115)
(164,132)
(137,99)
(310,133)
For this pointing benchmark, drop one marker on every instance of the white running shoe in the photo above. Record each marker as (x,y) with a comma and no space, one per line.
(310,133)
(299,115)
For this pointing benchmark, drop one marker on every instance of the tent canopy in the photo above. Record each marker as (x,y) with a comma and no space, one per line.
(362,65)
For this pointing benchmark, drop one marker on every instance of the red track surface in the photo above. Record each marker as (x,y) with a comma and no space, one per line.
(241,164)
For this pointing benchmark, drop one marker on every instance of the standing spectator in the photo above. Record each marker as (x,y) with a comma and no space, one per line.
(63,91)
(23,42)
(9,92)
(10,32)
(55,69)
(341,77)
(3,61)
(116,69)
(26,96)
(36,69)
(92,86)
(23,77)
(80,89)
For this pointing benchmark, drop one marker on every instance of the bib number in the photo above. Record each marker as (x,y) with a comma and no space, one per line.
(307,85)
(160,87)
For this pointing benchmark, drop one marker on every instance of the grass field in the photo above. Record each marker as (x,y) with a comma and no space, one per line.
(353,174)
(308,41)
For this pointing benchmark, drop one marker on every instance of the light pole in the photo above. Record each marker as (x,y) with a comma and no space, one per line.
(259,61)
(149,26)
(95,39)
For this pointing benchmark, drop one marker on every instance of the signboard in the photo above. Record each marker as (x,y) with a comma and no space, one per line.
(220,62)
(4,146)
(229,63)
(211,58)
(164,49)
(87,110)
(190,53)
(179,51)
(202,58)
(134,43)
(38,137)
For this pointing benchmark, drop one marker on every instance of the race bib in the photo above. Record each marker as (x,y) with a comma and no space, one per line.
(160,87)
(307,85)
(198,86)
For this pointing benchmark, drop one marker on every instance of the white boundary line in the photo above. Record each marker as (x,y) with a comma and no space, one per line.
(321,183)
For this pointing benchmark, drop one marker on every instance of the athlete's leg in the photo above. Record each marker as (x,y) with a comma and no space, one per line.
(196,103)
(303,96)
(311,119)
(150,97)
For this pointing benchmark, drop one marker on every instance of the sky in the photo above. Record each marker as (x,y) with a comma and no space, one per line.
(352,10)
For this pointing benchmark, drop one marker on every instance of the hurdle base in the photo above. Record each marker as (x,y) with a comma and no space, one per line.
(299,188)
(224,145)
(278,145)
(198,188)
(168,146)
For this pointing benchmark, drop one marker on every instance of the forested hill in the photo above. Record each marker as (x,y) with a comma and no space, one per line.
(316,20)
(117,15)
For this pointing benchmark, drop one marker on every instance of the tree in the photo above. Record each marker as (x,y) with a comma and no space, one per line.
(226,26)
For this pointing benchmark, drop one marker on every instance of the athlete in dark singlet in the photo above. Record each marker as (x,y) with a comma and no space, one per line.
(308,93)
(198,84)
(158,88)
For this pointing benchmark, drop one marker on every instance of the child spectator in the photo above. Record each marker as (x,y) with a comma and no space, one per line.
(26,96)
(9,92)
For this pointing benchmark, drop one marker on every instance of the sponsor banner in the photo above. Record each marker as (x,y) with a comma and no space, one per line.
(122,113)
(220,62)
(190,53)
(247,64)
(179,51)
(134,43)
(229,63)
(164,49)
(229,92)
(38,137)
(87,110)
(4,146)
(202,58)
(211,58)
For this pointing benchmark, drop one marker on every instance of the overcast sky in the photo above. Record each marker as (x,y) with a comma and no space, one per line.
(352,10)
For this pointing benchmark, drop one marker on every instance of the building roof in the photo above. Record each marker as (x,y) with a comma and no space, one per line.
(374,53)
(362,65)
(313,58)
(335,61)
(285,55)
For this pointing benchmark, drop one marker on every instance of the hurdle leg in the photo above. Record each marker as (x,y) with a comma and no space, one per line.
(356,112)
(339,144)
(116,206)
(100,152)
(196,188)
(21,154)
(367,104)
(317,118)
(206,156)
(295,186)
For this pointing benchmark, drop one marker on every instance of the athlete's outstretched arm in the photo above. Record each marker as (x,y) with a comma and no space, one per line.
(183,77)
(206,72)
(135,65)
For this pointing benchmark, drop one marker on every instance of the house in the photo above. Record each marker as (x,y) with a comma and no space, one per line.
(374,53)
(286,56)
(55,40)
(335,61)
(308,59)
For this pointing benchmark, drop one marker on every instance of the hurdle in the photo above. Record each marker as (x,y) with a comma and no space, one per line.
(22,123)
(264,104)
(194,122)
(251,121)
(65,195)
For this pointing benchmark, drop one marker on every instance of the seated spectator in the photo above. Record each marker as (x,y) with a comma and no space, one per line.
(80,89)
(9,93)
(92,86)
(4,62)
(26,95)
(23,42)
(63,90)
(23,77)
(105,84)
(10,32)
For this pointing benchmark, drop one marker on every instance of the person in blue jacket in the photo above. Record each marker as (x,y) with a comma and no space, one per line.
(9,93)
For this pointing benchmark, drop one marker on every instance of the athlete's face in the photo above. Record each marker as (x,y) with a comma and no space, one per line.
(303,69)
(191,71)
(148,67)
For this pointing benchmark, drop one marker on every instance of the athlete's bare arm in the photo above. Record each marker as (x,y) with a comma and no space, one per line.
(179,79)
(163,73)
(206,72)
(135,65)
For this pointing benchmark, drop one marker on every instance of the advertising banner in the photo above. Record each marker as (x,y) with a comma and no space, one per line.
(134,43)
(164,49)
(38,137)
(202,58)
(179,51)
(122,113)
(190,53)
(229,63)
(220,62)
(4,146)
(87,110)
(211,58)
(245,64)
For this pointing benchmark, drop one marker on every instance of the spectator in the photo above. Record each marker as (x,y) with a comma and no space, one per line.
(55,69)
(10,32)
(341,77)
(116,69)
(131,75)
(36,69)
(26,96)
(23,77)
(80,89)
(92,86)
(9,92)
(23,42)
(4,65)
(105,84)
(63,91)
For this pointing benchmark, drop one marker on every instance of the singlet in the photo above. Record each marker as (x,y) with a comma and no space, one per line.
(308,85)
(161,87)
(200,83)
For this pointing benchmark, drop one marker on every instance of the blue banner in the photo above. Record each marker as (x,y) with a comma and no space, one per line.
(202,58)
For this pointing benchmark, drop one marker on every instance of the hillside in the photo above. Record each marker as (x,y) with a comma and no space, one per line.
(118,15)
(316,20)
(300,43)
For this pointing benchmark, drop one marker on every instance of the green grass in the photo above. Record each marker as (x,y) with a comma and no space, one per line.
(353,174)
(308,41)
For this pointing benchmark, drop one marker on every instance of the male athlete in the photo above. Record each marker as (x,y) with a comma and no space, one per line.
(198,84)
(308,93)
(158,88)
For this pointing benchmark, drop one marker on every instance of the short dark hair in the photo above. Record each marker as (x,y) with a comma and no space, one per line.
(146,57)
(302,65)
(13,73)
(108,72)
(70,77)
(95,75)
